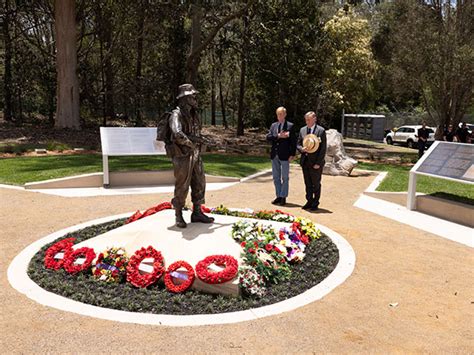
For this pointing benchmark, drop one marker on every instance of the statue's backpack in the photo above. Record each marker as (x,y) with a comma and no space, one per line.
(163,131)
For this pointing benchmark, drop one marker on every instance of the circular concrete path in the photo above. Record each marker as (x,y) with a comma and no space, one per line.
(429,277)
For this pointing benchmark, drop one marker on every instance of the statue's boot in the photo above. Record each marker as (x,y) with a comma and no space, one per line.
(180,223)
(198,216)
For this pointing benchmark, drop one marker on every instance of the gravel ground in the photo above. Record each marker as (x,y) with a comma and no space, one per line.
(428,276)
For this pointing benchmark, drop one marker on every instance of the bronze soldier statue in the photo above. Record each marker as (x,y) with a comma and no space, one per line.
(184,147)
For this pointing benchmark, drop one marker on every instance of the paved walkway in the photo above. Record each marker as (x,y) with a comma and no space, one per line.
(429,277)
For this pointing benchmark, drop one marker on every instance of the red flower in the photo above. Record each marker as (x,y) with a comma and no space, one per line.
(211,277)
(243,244)
(268,247)
(251,251)
(205,209)
(134,217)
(64,245)
(255,244)
(277,250)
(133,274)
(282,212)
(148,212)
(170,285)
(152,210)
(72,255)
(304,239)
(282,234)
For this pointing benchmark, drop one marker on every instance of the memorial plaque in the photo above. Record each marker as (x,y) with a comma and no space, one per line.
(130,141)
(450,160)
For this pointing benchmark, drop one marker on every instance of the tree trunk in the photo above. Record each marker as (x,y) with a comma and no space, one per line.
(8,84)
(213,91)
(51,103)
(99,22)
(19,118)
(67,111)
(138,73)
(176,49)
(245,41)
(108,68)
(195,56)
(221,95)
(104,28)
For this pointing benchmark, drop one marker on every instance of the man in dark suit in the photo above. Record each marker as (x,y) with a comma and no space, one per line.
(283,140)
(423,134)
(312,162)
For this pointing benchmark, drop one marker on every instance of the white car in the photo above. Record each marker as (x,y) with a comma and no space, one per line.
(408,135)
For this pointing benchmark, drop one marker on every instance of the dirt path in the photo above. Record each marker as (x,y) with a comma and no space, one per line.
(430,278)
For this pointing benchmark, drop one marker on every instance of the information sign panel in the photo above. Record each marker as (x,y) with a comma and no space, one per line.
(450,160)
(128,141)
(445,160)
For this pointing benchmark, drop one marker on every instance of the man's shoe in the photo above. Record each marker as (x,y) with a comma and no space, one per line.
(314,208)
(307,206)
(198,216)
(180,223)
(276,201)
(282,201)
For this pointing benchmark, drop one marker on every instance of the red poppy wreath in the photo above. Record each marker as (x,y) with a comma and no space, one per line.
(72,255)
(152,210)
(144,280)
(211,277)
(171,272)
(62,246)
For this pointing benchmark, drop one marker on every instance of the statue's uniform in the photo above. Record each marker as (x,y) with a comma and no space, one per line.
(185,151)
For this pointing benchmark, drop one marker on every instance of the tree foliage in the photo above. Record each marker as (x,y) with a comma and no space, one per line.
(429,54)
(246,57)
(351,67)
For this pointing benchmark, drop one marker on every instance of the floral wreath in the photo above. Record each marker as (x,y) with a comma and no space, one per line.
(211,277)
(49,261)
(110,265)
(72,255)
(133,273)
(152,210)
(171,272)
(251,281)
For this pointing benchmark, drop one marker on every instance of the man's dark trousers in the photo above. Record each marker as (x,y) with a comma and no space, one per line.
(312,182)
(421,147)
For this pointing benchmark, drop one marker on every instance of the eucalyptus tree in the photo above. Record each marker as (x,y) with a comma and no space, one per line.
(287,59)
(431,54)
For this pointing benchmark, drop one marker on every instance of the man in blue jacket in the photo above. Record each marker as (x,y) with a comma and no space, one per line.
(312,162)
(283,140)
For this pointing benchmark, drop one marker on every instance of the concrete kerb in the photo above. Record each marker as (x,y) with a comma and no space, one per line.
(100,191)
(19,280)
(440,227)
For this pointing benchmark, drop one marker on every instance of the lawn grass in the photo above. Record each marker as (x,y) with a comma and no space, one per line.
(397,180)
(18,171)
